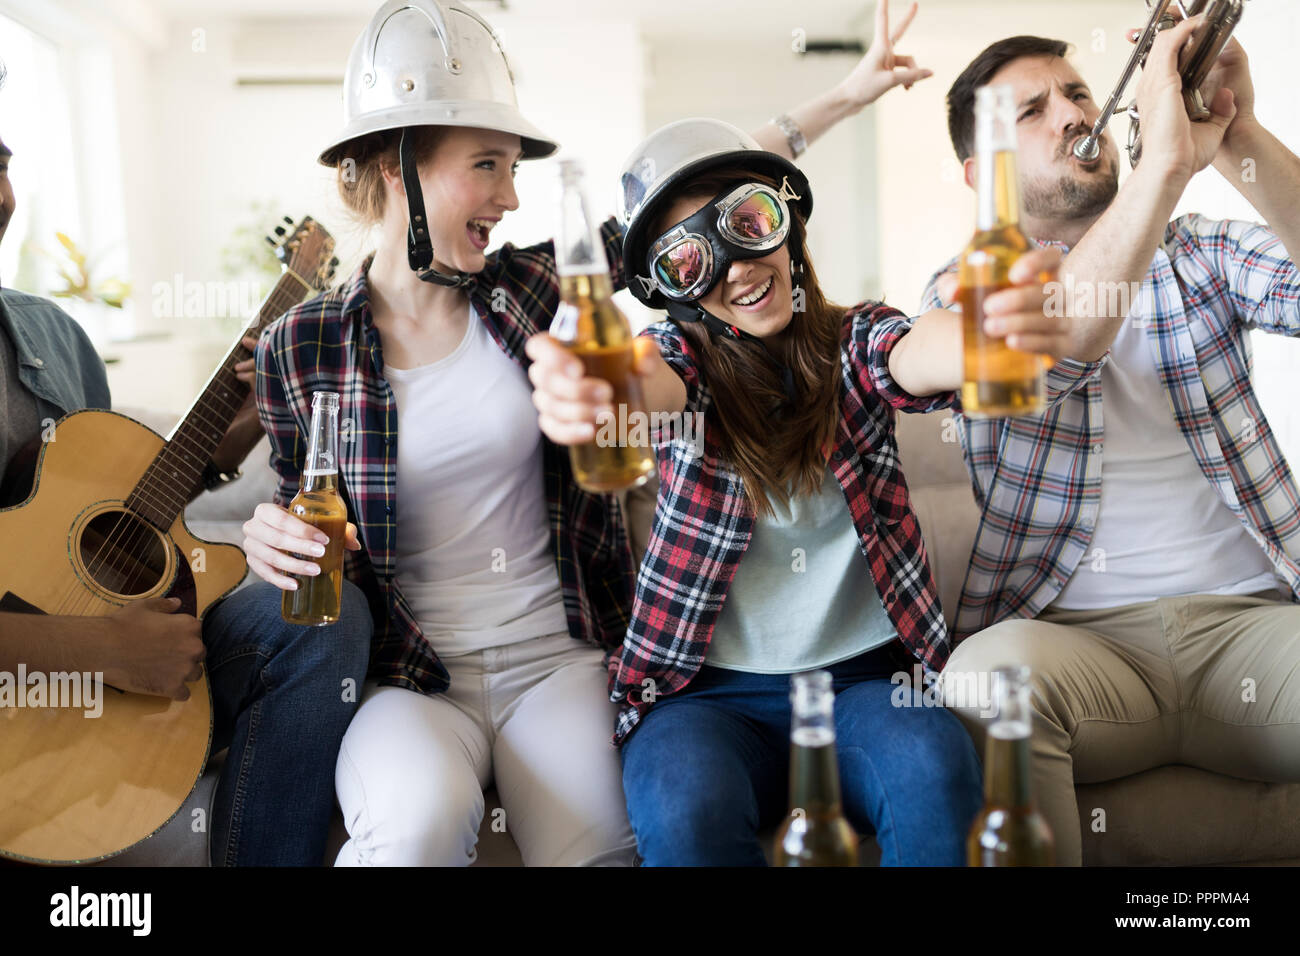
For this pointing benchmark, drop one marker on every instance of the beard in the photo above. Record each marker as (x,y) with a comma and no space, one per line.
(1069,197)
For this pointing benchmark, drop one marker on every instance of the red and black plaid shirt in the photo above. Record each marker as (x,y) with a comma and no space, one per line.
(703,523)
(330,344)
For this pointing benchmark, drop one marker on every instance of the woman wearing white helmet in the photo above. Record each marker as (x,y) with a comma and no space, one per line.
(797,399)
(485,562)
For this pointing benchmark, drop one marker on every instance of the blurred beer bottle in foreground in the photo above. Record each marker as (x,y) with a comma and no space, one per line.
(591,325)
(1009,831)
(996,380)
(815,833)
(319,597)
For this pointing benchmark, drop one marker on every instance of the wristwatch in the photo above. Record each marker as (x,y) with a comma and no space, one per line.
(794,137)
(213,478)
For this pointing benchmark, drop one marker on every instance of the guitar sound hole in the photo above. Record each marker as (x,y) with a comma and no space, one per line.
(122,553)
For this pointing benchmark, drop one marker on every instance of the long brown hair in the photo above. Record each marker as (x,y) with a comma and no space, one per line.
(775,445)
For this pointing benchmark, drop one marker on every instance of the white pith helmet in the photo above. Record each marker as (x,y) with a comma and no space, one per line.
(425,63)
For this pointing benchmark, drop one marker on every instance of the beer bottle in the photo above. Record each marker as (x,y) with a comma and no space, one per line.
(1009,831)
(996,380)
(591,325)
(319,597)
(815,833)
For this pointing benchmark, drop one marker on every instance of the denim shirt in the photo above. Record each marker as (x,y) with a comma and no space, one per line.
(56,361)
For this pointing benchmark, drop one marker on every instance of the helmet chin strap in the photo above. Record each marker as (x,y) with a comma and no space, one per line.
(419,248)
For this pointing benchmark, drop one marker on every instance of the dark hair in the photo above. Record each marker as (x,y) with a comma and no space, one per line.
(775,447)
(961,95)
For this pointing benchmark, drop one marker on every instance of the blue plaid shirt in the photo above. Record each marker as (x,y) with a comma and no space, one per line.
(1037,479)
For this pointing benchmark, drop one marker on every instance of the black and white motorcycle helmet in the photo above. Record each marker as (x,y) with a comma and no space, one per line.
(671,156)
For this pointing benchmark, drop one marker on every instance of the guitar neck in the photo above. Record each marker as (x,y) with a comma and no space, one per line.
(164,490)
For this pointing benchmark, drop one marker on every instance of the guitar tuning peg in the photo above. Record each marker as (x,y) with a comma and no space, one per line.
(279,230)
(289,220)
(269,239)
(334,262)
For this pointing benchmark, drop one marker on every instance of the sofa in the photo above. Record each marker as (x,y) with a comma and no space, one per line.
(1173,815)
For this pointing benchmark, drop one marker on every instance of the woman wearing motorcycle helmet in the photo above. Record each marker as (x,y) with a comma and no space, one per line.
(796,396)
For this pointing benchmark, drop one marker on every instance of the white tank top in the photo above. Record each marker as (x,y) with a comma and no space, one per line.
(474,556)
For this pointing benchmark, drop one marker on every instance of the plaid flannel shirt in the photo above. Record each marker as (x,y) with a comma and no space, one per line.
(703,523)
(1037,479)
(330,344)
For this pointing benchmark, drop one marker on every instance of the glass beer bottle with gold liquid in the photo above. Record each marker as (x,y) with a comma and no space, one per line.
(319,597)
(996,380)
(1009,830)
(816,832)
(596,331)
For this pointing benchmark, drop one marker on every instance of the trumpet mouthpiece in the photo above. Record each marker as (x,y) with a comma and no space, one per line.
(1087,148)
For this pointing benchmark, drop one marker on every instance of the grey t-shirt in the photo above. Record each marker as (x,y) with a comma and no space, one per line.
(803,596)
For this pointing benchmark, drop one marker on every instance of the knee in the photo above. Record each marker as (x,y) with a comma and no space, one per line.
(356,629)
(683,818)
(253,615)
(944,753)
(967,679)
(409,825)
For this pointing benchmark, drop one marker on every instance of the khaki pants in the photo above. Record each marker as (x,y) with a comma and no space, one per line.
(1208,681)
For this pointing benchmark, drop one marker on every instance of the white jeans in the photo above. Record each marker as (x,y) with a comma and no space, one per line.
(535,716)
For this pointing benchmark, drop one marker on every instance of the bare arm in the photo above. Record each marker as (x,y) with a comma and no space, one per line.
(928,359)
(1118,249)
(879,70)
(143,647)
(1274,184)
(52,643)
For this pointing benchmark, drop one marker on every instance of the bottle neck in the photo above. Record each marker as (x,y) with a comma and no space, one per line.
(594,286)
(319,482)
(814,773)
(1006,769)
(1006,755)
(579,249)
(998,190)
(320,467)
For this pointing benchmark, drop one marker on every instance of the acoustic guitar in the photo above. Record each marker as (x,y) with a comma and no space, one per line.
(102,526)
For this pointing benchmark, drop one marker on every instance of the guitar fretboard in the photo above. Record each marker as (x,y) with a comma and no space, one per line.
(164,490)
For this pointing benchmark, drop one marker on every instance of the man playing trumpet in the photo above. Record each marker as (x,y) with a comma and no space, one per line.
(1139,543)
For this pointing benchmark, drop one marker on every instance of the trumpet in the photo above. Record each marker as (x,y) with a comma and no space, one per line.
(1194,63)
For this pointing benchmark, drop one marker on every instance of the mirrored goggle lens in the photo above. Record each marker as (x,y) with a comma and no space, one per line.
(757,218)
(682,266)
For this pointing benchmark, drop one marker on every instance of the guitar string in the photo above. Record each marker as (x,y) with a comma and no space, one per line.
(141,530)
(153,495)
(156,498)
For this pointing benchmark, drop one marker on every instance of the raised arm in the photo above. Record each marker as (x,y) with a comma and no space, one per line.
(1119,246)
(879,70)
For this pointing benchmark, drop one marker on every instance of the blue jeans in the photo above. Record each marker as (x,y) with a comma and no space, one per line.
(708,768)
(281,704)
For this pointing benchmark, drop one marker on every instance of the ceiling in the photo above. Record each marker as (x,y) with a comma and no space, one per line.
(819,18)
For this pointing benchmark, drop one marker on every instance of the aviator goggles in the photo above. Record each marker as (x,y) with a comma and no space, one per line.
(745,222)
